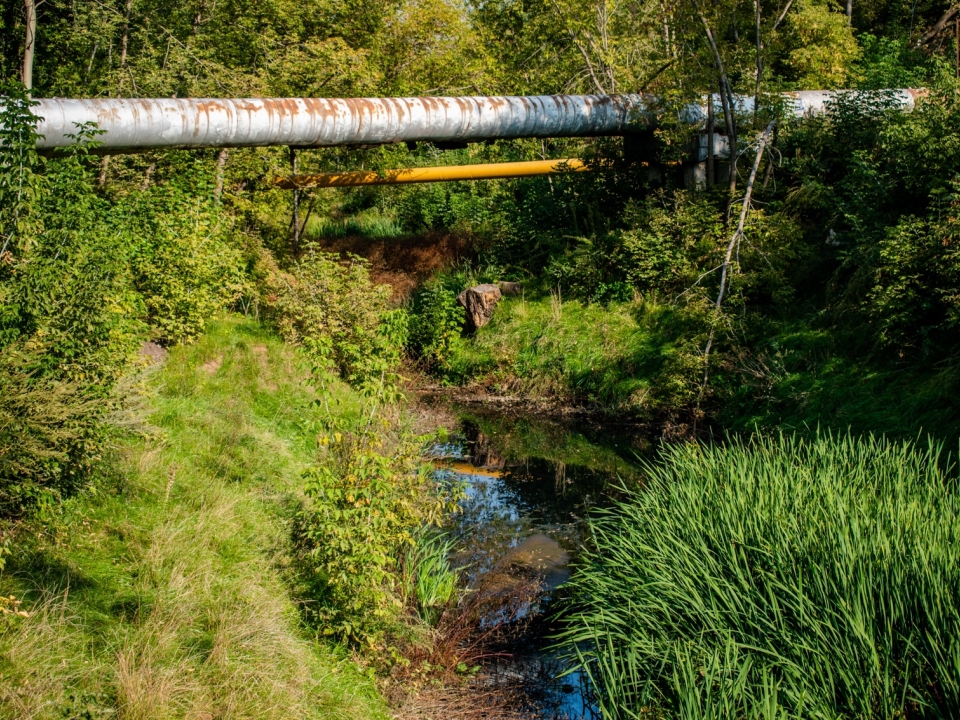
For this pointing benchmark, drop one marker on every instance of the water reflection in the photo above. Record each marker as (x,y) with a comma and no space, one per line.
(529,484)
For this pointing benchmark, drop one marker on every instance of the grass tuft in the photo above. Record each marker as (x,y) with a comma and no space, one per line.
(776,578)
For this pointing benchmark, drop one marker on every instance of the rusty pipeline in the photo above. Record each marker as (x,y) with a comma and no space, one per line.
(134,125)
(488,171)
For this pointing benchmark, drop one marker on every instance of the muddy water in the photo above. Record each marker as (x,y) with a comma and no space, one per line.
(530,483)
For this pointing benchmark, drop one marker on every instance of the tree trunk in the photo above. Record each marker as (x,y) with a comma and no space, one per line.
(296,205)
(29,47)
(727,101)
(849,12)
(711,153)
(221,164)
(756,96)
(731,246)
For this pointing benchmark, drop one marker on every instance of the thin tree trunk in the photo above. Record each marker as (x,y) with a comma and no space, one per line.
(939,25)
(147,175)
(726,98)
(711,150)
(756,96)
(104,164)
(731,246)
(958,47)
(849,12)
(221,164)
(124,40)
(29,47)
(296,205)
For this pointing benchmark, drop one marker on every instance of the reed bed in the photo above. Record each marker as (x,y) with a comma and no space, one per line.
(776,578)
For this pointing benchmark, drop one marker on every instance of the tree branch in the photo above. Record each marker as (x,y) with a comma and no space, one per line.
(939,25)
(783,15)
(734,240)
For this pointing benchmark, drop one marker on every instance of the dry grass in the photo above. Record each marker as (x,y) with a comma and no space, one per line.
(163,594)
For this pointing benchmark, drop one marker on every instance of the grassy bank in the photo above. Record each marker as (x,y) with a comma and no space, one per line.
(778,578)
(164,591)
(644,360)
(626,357)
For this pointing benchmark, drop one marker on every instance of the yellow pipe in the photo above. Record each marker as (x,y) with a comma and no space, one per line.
(433,174)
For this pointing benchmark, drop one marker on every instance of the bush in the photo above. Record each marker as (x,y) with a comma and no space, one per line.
(68,318)
(333,309)
(366,506)
(436,324)
(186,263)
(776,578)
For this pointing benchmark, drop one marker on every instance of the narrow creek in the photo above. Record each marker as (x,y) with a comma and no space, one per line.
(530,483)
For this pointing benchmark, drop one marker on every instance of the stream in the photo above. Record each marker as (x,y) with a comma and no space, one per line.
(530,482)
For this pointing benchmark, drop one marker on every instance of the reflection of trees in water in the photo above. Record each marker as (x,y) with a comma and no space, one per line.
(513,497)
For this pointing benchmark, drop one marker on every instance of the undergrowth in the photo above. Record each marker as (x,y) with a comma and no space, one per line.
(164,591)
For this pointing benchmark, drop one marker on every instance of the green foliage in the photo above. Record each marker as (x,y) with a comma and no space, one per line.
(436,323)
(824,49)
(331,308)
(776,578)
(365,505)
(188,265)
(914,297)
(66,316)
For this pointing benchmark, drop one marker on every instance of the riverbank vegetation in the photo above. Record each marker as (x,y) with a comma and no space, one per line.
(773,578)
(165,589)
(235,532)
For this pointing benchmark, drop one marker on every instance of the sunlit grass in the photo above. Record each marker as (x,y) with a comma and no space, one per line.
(367,223)
(163,593)
(776,578)
(631,357)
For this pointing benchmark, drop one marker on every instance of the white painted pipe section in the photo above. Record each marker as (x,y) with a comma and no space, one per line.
(132,125)
(140,124)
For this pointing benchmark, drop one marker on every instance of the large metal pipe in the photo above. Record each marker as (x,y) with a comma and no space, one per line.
(132,125)
(448,173)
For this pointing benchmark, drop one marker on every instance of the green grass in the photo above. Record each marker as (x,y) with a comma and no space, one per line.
(814,377)
(628,357)
(367,223)
(776,578)
(164,591)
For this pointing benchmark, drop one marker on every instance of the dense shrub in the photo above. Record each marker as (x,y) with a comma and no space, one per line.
(436,323)
(776,578)
(68,318)
(187,262)
(366,503)
(333,309)
(84,279)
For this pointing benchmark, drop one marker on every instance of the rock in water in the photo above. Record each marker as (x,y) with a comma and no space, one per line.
(479,302)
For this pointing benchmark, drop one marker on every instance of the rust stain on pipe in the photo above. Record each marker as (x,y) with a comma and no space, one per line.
(449,173)
(133,125)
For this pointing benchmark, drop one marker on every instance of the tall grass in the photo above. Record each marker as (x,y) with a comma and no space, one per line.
(367,223)
(165,593)
(776,578)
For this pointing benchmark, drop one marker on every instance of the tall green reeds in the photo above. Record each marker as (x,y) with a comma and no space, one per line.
(776,578)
